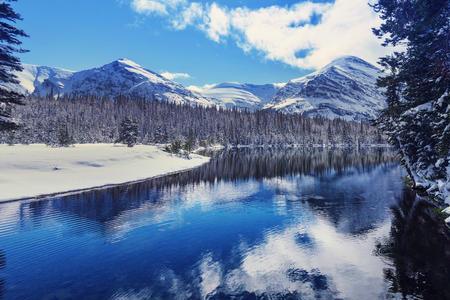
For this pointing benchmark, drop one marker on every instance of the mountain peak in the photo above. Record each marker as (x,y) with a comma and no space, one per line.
(345,88)
(120,77)
(127,66)
(345,58)
(126,63)
(350,61)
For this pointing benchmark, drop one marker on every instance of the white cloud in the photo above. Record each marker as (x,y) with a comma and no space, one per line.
(275,31)
(173,76)
(281,33)
(188,16)
(217,22)
(155,6)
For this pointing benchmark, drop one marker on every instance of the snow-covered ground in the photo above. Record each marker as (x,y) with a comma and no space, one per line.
(36,170)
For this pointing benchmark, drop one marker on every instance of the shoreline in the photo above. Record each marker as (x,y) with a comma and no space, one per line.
(37,171)
(95,188)
(196,161)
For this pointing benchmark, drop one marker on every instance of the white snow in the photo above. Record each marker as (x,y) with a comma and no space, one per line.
(447,211)
(240,95)
(121,77)
(133,67)
(299,104)
(346,89)
(446,191)
(32,78)
(36,170)
(420,108)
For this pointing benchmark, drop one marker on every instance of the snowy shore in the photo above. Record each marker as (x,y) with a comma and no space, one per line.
(36,170)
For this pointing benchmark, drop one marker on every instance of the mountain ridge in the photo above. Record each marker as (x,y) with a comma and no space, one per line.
(345,88)
(120,77)
(239,95)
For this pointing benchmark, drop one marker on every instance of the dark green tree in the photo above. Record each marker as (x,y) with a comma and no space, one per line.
(189,145)
(65,139)
(176,146)
(417,83)
(128,132)
(9,64)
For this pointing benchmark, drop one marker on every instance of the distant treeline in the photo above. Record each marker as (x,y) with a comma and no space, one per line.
(97,120)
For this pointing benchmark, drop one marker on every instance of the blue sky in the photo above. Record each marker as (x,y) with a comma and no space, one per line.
(256,41)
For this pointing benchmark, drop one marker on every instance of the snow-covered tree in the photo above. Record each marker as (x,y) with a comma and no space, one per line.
(417,85)
(65,139)
(97,120)
(128,132)
(189,145)
(9,64)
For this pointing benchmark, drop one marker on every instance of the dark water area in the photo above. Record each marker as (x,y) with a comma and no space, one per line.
(251,224)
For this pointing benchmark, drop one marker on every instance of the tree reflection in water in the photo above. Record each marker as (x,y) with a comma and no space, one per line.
(251,224)
(419,250)
(233,165)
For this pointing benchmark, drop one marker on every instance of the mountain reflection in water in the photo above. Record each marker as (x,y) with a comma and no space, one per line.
(297,224)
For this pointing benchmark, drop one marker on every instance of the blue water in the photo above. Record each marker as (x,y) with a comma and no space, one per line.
(297,224)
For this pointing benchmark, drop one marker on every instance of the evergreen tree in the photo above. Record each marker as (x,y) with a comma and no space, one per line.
(417,84)
(65,139)
(97,120)
(189,145)
(9,63)
(330,135)
(128,132)
(176,146)
(11,137)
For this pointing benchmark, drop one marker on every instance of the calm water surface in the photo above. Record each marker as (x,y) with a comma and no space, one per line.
(293,224)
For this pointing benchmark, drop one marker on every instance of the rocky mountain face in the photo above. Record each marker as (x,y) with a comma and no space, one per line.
(40,79)
(346,89)
(121,77)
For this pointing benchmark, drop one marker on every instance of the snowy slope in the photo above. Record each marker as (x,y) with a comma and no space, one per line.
(346,88)
(240,95)
(35,78)
(121,77)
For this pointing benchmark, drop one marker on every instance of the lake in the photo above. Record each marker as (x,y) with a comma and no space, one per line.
(251,224)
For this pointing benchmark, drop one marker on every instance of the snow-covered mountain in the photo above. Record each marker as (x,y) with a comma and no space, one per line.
(240,95)
(38,79)
(121,77)
(346,89)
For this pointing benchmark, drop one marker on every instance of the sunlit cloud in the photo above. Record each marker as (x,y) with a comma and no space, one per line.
(304,35)
(174,76)
(190,15)
(161,7)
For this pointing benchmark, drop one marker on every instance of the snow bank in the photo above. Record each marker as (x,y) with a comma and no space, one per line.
(447,211)
(36,170)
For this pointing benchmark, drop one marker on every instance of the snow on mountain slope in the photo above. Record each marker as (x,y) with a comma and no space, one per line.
(239,95)
(125,77)
(346,89)
(121,77)
(34,78)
